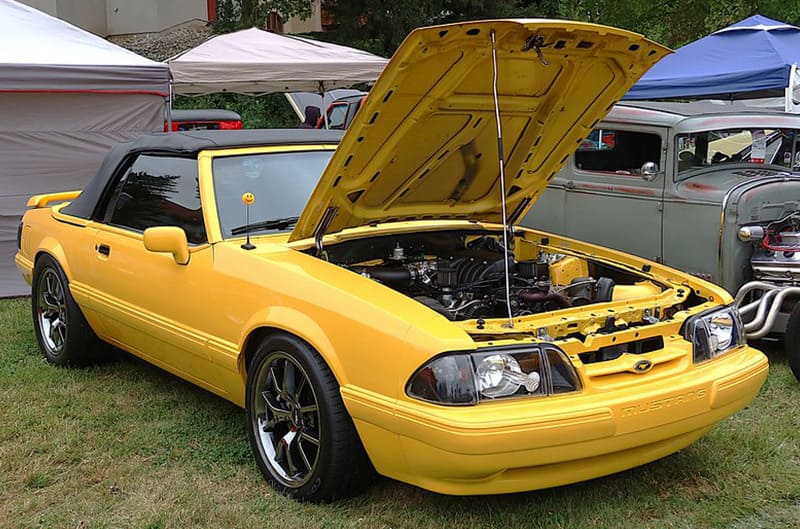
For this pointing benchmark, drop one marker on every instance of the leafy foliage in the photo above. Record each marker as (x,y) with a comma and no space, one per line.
(262,112)
(239,14)
(380,25)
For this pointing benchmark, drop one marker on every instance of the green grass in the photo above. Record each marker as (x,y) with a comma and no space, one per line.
(127,445)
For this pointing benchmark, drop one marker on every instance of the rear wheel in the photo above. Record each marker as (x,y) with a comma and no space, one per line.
(791,340)
(303,439)
(62,333)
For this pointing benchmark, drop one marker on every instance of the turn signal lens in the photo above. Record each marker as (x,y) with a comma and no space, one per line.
(447,379)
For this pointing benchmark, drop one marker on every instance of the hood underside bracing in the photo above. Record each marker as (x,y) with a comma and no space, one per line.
(424,146)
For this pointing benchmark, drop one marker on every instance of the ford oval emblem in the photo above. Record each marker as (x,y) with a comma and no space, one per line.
(643,366)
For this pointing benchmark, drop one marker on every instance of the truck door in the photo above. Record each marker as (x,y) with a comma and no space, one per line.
(613,190)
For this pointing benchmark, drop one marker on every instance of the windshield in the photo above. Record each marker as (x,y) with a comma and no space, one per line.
(756,146)
(280,182)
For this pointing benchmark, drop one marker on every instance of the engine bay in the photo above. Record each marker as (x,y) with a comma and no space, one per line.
(461,275)
(776,256)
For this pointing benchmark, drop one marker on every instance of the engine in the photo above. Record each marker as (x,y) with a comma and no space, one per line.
(465,287)
(776,257)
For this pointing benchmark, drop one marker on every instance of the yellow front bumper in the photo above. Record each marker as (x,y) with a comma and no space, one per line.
(527,444)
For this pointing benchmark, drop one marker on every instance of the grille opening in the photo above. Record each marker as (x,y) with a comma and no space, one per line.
(612,352)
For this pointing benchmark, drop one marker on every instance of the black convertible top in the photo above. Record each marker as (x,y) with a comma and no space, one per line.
(186,144)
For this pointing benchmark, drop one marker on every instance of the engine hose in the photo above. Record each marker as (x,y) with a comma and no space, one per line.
(538,297)
(773,312)
(396,277)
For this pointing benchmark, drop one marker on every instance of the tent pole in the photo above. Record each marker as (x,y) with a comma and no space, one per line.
(168,105)
(323,109)
(788,105)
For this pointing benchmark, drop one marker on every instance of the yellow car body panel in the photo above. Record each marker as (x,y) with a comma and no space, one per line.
(426,136)
(616,422)
(204,319)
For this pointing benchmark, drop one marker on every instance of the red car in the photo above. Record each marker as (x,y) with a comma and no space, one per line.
(204,119)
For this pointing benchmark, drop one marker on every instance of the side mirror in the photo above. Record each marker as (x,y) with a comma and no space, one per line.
(168,239)
(649,171)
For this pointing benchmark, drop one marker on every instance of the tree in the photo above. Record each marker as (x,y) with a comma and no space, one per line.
(240,14)
(381,25)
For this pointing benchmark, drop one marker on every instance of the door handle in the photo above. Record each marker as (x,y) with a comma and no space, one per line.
(103,249)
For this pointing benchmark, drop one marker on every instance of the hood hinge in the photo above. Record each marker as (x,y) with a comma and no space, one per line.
(324,222)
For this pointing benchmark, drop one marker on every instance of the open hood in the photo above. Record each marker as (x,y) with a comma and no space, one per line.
(424,145)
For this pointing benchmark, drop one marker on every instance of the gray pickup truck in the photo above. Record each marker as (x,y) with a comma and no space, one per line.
(705,187)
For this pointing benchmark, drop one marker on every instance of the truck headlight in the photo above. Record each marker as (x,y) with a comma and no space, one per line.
(751,233)
(487,374)
(714,332)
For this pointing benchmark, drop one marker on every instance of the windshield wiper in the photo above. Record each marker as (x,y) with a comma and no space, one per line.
(271,224)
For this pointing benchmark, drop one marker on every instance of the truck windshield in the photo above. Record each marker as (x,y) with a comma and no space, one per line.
(755,146)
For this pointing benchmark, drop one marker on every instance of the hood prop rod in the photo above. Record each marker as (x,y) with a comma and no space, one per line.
(507,274)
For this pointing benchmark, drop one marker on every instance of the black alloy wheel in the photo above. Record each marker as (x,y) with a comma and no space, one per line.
(303,440)
(62,333)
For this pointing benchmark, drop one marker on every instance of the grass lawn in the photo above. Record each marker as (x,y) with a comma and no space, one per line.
(128,445)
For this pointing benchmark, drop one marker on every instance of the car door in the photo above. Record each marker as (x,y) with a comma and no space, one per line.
(151,305)
(609,200)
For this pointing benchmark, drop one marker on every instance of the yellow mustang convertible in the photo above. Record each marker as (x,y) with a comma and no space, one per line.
(371,302)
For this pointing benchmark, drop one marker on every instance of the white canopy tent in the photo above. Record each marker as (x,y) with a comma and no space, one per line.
(66,96)
(254,61)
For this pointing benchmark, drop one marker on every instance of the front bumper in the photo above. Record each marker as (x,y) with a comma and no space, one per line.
(527,444)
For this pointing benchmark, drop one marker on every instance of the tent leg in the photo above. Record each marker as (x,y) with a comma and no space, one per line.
(168,109)
(323,109)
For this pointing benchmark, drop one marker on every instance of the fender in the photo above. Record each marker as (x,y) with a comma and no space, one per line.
(298,324)
(80,293)
(51,246)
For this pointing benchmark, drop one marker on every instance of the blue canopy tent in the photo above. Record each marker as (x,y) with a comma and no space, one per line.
(756,57)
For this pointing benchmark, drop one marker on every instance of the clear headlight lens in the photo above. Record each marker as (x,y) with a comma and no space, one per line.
(714,332)
(501,376)
(466,378)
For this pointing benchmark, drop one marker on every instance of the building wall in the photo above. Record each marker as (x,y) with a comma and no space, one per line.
(87,14)
(149,16)
(48,6)
(121,17)
(313,23)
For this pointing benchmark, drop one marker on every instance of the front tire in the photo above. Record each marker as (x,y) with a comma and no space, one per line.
(303,439)
(791,340)
(62,333)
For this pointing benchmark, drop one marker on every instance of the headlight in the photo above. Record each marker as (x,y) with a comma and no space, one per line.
(751,233)
(501,376)
(467,378)
(714,332)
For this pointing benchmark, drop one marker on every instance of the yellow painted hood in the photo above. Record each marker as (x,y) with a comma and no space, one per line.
(424,145)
